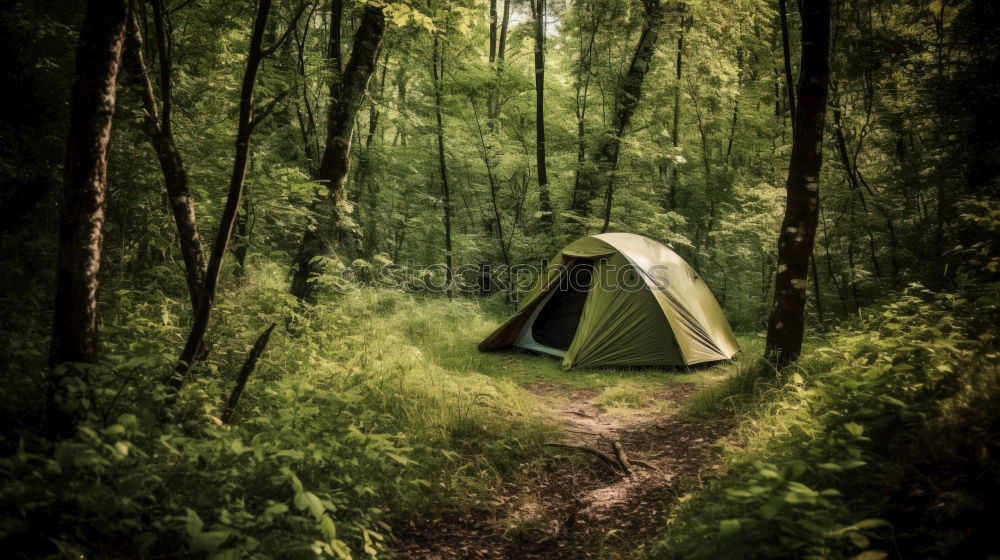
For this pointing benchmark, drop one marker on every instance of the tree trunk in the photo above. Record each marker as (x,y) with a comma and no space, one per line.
(246,121)
(498,48)
(92,108)
(437,73)
(787,57)
(579,202)
(545,205)
(626,100)
(346,96)
(159,128)
(675,131)
(798,229)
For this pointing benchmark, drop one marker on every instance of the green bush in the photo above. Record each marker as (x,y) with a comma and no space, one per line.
(363,410)
(882,440)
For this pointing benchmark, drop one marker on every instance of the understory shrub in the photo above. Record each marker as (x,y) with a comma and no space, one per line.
(360,414)
(881,442)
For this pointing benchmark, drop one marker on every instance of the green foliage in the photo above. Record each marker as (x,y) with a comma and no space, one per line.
(329,445)
(815,469)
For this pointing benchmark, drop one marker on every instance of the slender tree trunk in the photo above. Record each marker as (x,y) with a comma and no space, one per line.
(92,108)
(675,131)
(580,201)
(159,128)
(798,229)
(817,295)
(346,96)
(787,57)
(545,205)
(438,73)
(493,31)
(246,121)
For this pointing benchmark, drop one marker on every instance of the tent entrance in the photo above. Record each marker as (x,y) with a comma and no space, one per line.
(553,324)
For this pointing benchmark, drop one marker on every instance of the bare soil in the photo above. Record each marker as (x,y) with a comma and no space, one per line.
(581,504)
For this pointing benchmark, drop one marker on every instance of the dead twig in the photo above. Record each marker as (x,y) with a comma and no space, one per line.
(605,459)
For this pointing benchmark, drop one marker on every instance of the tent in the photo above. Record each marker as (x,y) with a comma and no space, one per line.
(619,299)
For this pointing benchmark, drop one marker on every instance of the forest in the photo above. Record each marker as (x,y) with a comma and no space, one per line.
(294,279)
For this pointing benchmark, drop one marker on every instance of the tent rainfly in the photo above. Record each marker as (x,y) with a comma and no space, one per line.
(619,299)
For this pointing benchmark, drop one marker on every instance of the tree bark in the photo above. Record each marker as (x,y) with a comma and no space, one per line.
(159,129)
(545,206)
(92,108)
(346,96)
(798,229)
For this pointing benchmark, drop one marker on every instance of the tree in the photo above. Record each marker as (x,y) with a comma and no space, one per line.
(159,128)
(629,92)
(675,131)
(347,92)
(798,228)
(247,120)
(538,7)
(437,73)
(92,108)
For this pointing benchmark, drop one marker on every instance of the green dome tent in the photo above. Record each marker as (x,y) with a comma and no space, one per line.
(619,299)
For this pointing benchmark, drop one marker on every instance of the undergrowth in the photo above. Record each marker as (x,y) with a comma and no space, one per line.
(880,442)
(360,414)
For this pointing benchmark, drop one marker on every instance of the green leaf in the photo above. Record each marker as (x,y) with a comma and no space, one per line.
(871,555)
(308,500)
(208,541)
(858,540)
(729,528)
(398,458)
(193,523)
(329,529)
(847,464)
(871,523)
(276,509)
(854,429)
(889,400)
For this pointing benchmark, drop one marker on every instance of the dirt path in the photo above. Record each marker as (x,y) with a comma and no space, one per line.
(582,504)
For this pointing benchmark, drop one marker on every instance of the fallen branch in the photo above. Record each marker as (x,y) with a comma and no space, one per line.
(622,457)
(605,459)
(248,367)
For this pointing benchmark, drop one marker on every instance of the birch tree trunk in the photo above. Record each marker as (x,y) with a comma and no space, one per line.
(798,229)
